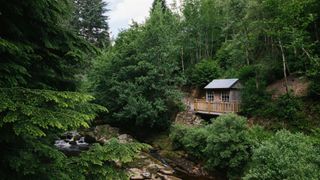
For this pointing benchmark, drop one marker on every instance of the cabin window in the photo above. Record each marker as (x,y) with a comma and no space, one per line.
(225,96)
(210,96)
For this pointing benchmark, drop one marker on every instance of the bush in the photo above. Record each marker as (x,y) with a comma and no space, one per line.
(177,132)
(285,156)
(193,140)
(203,73)
(255,99)
(290,107)
(314,76)
(315,88)
(257,134)
(247,72)
(227,144)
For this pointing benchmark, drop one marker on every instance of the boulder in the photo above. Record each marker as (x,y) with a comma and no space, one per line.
(188,118)
(135,173)
(89,138)
(73,143)
(155,167)
(166,171)
(146,175)
(100,134)
(167,177)
(125,138)
(105,131)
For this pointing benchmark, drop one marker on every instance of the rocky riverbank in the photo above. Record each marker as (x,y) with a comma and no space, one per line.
(158,163)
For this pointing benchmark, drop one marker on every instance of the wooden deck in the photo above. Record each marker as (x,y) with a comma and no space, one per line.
(215,108)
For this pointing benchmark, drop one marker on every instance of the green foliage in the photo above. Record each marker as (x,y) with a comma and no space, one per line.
(41,59)
(138,79)
(30,122)
(161,3)
(193,140)
(90,21)
(177,132)
(291,109)
(285,156)
(224,145)
(35,111)
(228,144)
(254,100)
(314,74)
(37,49)
(203,73)
(100,161)
(256,135)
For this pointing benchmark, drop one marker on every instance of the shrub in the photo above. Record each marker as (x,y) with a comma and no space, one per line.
(246,73)
(314,76)
(227,144)
(203,73)
(285,156)
(177,132)
(193,140)
(255,99)
(256,135)
(290,107)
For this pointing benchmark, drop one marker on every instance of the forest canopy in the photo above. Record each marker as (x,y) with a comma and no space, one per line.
(61,71)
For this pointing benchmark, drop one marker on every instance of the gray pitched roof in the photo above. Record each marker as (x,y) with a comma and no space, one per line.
(221,84)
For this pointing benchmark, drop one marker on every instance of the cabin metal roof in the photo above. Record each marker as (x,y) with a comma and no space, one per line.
(221,84)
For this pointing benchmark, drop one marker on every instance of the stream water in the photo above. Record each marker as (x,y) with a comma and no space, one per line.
(72,144)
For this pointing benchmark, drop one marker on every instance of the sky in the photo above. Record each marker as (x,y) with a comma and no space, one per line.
(122,12)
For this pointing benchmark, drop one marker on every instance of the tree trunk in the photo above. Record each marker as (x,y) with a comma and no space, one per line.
(212,45)
(182,60)
(247,46)
(284,66)
(316,31)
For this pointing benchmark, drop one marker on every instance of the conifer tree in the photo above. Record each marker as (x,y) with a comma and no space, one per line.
(162,3)
(40,59)
(90,21)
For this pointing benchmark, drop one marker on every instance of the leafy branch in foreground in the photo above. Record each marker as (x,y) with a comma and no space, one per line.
(102,162)
(30,121)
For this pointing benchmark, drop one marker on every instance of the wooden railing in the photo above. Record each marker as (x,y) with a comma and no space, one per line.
(201,105)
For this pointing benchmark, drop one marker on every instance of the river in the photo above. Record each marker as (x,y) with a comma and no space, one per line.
(168,163)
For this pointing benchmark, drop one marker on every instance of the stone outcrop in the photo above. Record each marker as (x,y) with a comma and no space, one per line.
(147,167)
(188,118)
(100,134)
(153,165)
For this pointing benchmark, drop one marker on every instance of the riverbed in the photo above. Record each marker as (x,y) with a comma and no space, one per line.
(160,162)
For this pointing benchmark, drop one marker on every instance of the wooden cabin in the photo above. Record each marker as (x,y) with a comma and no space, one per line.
(222,96)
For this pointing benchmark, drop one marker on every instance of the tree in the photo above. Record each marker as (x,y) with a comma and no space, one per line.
(162,4)
(190,139)
(138,79)
(228,144)
(37,49)
(90,21)
(285,156)
(203,73)
(40,61)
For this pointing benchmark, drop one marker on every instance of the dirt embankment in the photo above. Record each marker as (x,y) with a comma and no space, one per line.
(297,85)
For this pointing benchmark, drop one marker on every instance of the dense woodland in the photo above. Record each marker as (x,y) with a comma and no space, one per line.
(59,71)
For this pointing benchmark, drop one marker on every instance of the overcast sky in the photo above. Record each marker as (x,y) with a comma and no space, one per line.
(122,12)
